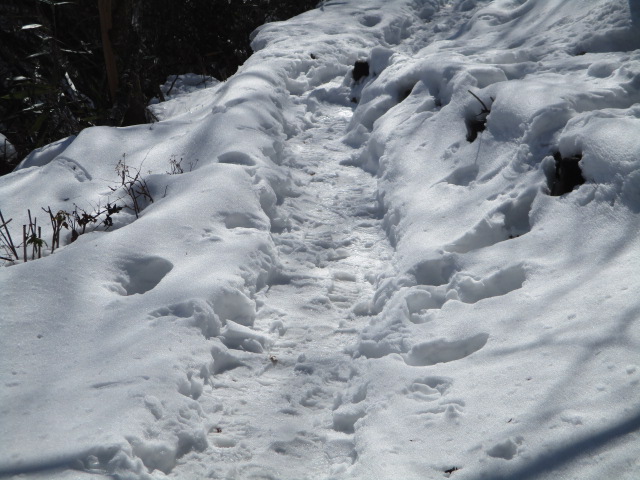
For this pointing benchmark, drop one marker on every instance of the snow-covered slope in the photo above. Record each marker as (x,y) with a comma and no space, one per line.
(349,279)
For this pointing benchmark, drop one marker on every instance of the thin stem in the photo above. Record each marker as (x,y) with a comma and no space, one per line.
(485,109)
(24,243)
(10,242)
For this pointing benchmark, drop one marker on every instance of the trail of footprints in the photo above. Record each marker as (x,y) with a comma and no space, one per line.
(440,280)
(435,281)
(289,342)
(289,353)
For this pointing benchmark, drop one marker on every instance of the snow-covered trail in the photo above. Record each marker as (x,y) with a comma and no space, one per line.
(281,416)
(344,282)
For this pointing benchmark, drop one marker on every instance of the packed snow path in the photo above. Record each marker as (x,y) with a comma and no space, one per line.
(279,417)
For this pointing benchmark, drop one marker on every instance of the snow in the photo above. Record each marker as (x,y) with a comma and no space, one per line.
(340,284)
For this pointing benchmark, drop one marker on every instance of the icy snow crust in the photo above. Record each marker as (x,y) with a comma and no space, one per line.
(340,285)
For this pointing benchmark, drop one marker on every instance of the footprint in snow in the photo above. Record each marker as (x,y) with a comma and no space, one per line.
(428,389)
(432,391)
(344,291)
(506,449)
(508,221)
(442,351)
(140,275)
(504,281)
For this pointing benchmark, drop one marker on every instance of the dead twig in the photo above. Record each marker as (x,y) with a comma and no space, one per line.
(7,241)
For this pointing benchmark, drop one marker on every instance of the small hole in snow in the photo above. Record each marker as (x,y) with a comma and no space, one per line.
(360,70)
(477,123)
(568,174)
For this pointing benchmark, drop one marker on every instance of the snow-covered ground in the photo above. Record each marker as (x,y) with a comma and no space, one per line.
(335,280)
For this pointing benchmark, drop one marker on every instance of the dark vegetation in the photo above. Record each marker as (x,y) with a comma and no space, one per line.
(67,65)
(450,471)
(132,194)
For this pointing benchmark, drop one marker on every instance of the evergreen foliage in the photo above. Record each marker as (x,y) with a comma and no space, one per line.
(53,80)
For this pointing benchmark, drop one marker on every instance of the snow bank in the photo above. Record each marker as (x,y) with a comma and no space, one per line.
(498,286)
(106,342)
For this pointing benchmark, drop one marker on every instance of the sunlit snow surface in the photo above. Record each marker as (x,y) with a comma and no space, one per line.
(340,285)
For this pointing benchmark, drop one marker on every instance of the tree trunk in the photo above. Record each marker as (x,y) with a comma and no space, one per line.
(106,23)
